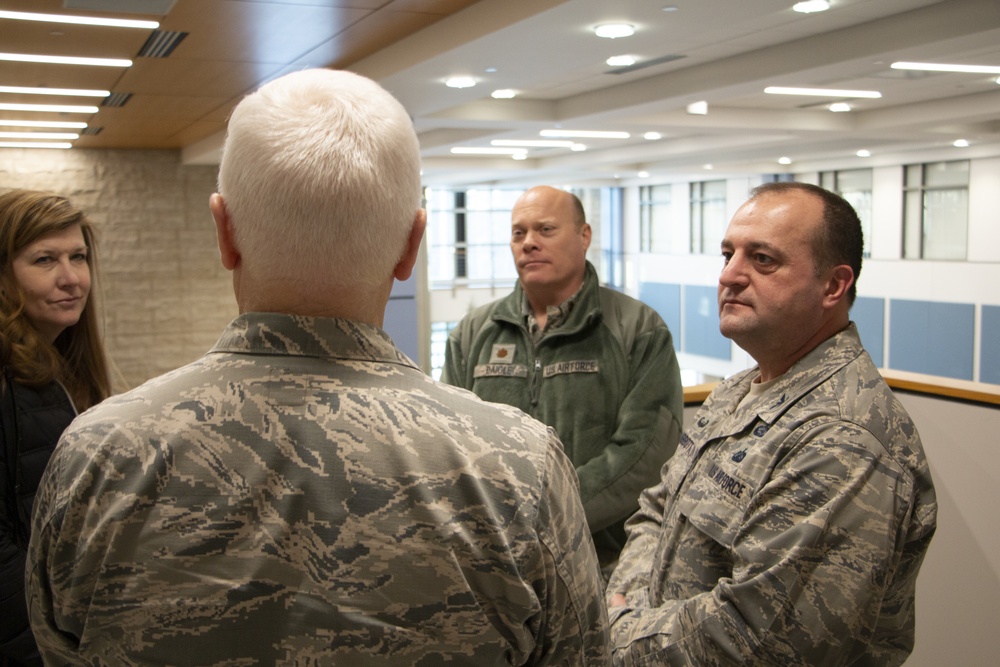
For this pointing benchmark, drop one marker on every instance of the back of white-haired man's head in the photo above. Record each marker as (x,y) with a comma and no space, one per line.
(320,179)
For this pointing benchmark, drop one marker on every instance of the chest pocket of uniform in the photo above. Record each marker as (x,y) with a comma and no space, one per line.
(715,500)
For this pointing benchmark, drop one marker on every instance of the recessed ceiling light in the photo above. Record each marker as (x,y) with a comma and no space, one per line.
(39,135)
(810,6)
(69,92)
(460,82)
(620,61)
(585,134)
(578,148)
(79,20)
(652,136)
(503,94)
(34,144)
(941,67)
(707,167)
(65,60)
(864,153)
(822,92)
(840,107)
(47,108)
(961,143)
(670,8)
(698,108)
(519,156)
(614,30)
(643,174)
(66,124)
(473,150)
(784,160)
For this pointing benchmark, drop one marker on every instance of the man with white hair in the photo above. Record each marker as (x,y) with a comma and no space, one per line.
(303,494)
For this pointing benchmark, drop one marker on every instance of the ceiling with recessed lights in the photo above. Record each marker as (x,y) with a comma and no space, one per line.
(692,99)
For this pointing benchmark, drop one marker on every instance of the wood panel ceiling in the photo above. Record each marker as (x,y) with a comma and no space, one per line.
(229,48)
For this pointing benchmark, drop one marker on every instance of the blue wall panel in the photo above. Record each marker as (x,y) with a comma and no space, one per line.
(401,324)
(931,337)
(401,317)
(665,299)
(701,323)
(989,346)
(869,315)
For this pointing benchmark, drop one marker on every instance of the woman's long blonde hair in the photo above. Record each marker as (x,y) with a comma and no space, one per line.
(76,358)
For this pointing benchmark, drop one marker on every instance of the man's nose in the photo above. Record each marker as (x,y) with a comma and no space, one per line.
(733,272)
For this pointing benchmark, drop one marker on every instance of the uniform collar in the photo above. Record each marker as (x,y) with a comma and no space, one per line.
(296,335)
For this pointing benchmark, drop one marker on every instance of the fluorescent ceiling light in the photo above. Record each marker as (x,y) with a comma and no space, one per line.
(840,107)
(65,60)
(533,143)
(960,143)
(503,94)
(864,153)
(48,108)
(39,135)
(79,20)
(460,82)
(470,150)
(585,134)
(810,6)
(643,174)
(784,160)
(578,148)
(822,92)
(620,61)
(66,124)
(34,144)
(698,108)
(519,156)
(652,136)
(70,92)
(614,30)
(941,67)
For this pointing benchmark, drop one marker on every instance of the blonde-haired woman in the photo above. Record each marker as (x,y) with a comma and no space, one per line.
(52,365)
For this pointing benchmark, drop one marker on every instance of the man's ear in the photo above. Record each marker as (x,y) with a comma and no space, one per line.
(409,259)
(585,234)
(840,281)
(224,232)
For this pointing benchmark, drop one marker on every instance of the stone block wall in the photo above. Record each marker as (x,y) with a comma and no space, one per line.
(164,296)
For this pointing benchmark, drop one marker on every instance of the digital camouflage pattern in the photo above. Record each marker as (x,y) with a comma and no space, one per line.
(786,531)
(304,495)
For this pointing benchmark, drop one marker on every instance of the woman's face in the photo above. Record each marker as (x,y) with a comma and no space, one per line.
(55,277)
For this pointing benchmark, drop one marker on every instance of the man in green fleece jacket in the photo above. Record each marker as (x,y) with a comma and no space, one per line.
(595,365)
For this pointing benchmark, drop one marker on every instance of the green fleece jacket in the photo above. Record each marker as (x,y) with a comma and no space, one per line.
(606,380)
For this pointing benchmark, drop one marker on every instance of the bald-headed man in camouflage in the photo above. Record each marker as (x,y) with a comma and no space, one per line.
(789,527)
(303,494)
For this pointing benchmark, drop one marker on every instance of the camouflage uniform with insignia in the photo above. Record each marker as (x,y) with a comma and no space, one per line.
(606,379)
(785,531)
(304,495)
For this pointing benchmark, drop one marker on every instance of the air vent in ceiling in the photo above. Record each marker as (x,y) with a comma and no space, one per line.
(116,100)
(161,43)
(644,64)
(91,130)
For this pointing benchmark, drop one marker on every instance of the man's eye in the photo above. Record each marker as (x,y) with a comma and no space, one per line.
(762,259)
(726,256)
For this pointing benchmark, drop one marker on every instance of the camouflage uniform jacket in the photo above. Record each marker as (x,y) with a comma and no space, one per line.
(606,379)
(303,495)
(784,532)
